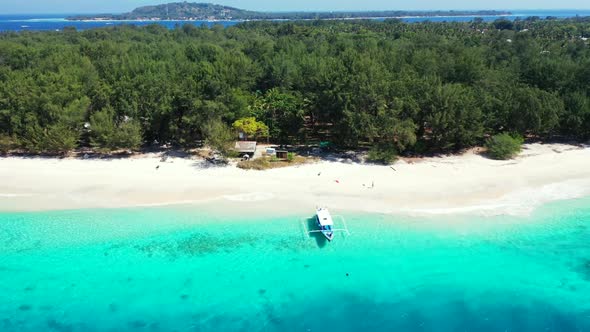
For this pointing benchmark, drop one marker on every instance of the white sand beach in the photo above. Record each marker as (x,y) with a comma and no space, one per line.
(452,184)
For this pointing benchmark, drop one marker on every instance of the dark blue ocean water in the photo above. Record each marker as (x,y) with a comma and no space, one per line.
(58,22)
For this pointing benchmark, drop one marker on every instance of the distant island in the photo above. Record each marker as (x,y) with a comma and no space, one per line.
(186,11)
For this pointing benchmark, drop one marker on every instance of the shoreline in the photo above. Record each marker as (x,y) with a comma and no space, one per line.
(287,19)
(461,184)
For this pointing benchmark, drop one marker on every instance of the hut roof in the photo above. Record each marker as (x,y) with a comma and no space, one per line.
(246,146)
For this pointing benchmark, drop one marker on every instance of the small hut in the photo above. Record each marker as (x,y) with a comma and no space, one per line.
(246,148)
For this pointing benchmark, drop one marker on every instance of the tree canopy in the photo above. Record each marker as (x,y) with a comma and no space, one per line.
(389,85)
(251,128)
(504,146)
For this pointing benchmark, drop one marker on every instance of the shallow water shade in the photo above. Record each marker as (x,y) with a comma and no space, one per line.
(184,269)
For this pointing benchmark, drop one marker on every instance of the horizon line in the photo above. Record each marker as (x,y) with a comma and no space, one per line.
(321,11)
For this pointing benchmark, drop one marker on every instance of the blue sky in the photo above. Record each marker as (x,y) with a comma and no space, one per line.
(115,6)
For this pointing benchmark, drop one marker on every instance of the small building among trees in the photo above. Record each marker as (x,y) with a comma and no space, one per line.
(248,130)
(246,148)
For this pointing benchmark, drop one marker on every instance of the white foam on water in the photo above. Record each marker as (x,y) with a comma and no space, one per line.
(532,198)
(40,20)
(518,203)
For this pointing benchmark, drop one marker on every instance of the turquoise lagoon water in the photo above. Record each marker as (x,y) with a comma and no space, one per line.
(182,269)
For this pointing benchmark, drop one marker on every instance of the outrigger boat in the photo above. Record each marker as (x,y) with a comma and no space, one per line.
(325,223)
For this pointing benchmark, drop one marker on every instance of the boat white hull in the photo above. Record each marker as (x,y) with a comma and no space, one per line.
(328,233)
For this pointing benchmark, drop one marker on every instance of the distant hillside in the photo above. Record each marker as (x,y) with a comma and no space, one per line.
(187,10)
(207,11)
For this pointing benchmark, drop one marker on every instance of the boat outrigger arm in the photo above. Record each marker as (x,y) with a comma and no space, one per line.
(326,224)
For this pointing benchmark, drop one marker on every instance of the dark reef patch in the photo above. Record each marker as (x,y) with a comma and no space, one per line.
(584,268)
(25,307)
(196,245)
(137,324)
(289,245)
(6,323)
(54,325)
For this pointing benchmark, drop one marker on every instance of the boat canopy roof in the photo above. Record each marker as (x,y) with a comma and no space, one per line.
(324,217)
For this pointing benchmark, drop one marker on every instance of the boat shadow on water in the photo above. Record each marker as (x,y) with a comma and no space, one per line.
(312,225)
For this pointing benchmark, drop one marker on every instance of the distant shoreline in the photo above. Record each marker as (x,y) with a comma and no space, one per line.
(59,22)
(283,19)
(210,12)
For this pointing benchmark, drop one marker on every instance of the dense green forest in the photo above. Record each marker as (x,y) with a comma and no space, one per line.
(392,86)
